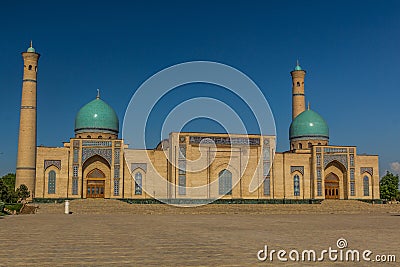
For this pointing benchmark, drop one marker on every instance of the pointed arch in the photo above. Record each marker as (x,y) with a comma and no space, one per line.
(96,173)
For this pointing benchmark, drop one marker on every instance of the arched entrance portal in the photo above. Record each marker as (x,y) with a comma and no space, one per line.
(95,184)
(331,186)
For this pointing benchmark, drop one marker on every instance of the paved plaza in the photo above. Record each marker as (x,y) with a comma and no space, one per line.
(215,235)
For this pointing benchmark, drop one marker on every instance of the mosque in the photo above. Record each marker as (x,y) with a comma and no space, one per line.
(96,163)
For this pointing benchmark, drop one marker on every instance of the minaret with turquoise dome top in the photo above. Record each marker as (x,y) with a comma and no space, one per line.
(308,128)
(298,98)
(26,159)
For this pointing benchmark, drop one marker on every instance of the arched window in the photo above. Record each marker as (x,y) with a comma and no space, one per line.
(366,186)
(225,182)
(309,145)
(138,183)
(30,67)
(100,137)
(300,146)
(52,182)
(89,136)
(298,84)
(296,185)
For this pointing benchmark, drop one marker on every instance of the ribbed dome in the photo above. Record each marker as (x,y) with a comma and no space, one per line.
(309,124)
(97,116)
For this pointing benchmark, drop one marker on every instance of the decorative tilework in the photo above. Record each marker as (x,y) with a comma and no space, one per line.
(96,143)
(319,174)
(351,160)
(182,185)
(297,168)
(116,187)
(76,143)
(352,188)
(319,188)
(55,163)
(369,170)
(335,150)
(142,166)
(106,153)
(352,176)
(117,153)
(340,158)
(116,171)
(318,159)
(75,170)
(182,152)
(76,154)
(74,186)
(318,149)
(266,153)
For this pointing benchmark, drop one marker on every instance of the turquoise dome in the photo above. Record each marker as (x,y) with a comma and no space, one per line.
(97,116)
(298,68)
(309,124)
(31,49)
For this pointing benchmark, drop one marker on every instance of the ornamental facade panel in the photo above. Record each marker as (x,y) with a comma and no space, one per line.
(76,143)
(297,168)
(96,143)
(224,140)
(106,153)
(340,158)
(55,163)
(335,150)
(142,166)
(369,170)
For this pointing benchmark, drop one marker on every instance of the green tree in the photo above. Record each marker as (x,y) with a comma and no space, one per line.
(389,186)
(7,194)
(9,180)
(22,192)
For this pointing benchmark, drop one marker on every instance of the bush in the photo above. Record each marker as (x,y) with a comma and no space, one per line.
(16,206)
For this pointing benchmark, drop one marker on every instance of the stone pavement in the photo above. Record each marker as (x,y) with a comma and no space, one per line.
(186,237)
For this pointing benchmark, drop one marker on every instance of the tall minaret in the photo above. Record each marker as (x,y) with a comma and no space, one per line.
(298,101)
(26,161)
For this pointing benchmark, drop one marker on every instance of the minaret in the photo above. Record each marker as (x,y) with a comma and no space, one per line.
(298,101)
(26,161)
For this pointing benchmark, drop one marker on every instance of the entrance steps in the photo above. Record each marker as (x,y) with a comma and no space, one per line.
(87,206)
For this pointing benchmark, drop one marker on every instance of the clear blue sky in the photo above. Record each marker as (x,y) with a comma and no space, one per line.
(350,50)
